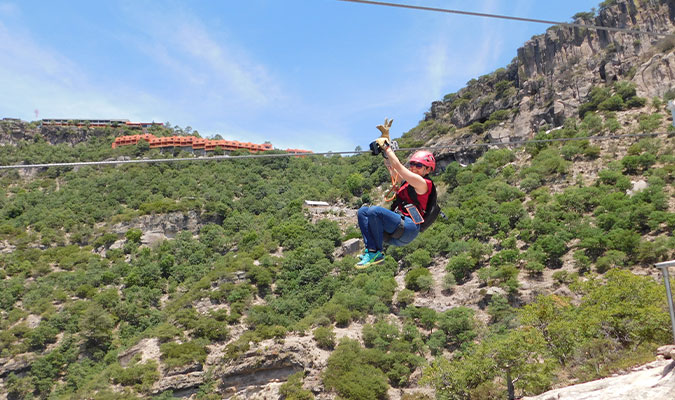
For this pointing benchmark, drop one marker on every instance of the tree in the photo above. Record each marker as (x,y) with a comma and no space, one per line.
(461,266)
(96,326)
(324,337)
(355,183)
(348,373)
(142,147)
(458,324)
(134,235)
(520,358)
(411,278)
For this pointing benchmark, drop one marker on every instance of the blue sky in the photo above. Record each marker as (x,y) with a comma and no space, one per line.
(311,74)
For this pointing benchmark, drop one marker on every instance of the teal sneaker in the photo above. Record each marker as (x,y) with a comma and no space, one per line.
(369,259)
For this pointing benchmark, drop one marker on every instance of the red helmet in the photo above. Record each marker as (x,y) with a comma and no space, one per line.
(424,157)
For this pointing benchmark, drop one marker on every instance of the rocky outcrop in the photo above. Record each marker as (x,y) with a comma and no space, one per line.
(148,349)
(349,247)
(16,364)
(159,227)
(14,131)
(258,373)
(654,381)
(558,69)
(185,383)
(268,365)
(553,74)
(656,75)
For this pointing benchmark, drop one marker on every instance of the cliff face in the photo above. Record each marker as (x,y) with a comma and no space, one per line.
(553,74)
(12,132)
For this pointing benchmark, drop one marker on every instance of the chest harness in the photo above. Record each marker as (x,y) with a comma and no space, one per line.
(429,213)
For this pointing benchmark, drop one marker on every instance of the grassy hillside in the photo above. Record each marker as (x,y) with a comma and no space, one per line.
(71,301)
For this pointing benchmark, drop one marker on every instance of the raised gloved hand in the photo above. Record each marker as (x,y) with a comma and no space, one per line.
(384,128)
(383,142)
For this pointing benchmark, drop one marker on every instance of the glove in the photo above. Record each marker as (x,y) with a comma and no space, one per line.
(383,142)
(384,128)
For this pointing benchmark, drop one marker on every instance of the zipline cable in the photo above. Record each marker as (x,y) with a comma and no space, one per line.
(330,153)
(540,21)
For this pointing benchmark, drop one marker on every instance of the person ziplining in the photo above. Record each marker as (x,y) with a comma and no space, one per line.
(414,207)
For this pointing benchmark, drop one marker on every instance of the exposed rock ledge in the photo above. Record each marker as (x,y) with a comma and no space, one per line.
(159,227)
(259,367)
(653,381)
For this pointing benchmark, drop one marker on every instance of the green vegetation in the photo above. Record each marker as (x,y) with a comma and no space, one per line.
(620,96)
(292,389)
(258,268)
(616,324)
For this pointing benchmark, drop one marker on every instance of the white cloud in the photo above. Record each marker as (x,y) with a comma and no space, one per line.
(205,61)
(34,77)
(245,78)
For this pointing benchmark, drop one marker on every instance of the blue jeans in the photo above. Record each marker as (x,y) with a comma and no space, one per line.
(374,221)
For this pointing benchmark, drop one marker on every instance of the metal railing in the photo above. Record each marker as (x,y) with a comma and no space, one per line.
(663,266)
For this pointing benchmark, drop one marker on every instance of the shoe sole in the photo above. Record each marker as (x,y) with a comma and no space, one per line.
(364,266)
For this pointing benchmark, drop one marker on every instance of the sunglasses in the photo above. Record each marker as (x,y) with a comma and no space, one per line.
(416,164)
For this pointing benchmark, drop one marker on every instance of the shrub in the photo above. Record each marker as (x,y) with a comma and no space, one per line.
(134,235)
(636,102)
(105,240)
(292,389)
(477,127)
(612,125)
(140,375)
(97,325)
(625,90)
(649,123)
(178,354)
(437,342)
(553,246)
(549,162)
(531,181)
(39,337)
(596,96)
(343,317)
(565,277)
(534,267)
(461,266)
(458,324)
(348,373)
(324,337)
(419,258)
(614,103)
(508,256)
(405,297)
(411,278)
(210,328)
(449,281)
(425,283)
(570,150)
(165,332)
(502,86)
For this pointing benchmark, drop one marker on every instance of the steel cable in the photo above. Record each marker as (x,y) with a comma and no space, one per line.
(540,21)
(330,153)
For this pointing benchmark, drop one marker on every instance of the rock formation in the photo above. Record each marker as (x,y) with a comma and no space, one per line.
(552,75)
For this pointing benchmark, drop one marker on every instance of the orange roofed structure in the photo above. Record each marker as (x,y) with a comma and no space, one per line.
(195,143)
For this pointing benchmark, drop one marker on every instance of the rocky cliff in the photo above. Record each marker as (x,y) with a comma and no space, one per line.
(14,131)
(552,75)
